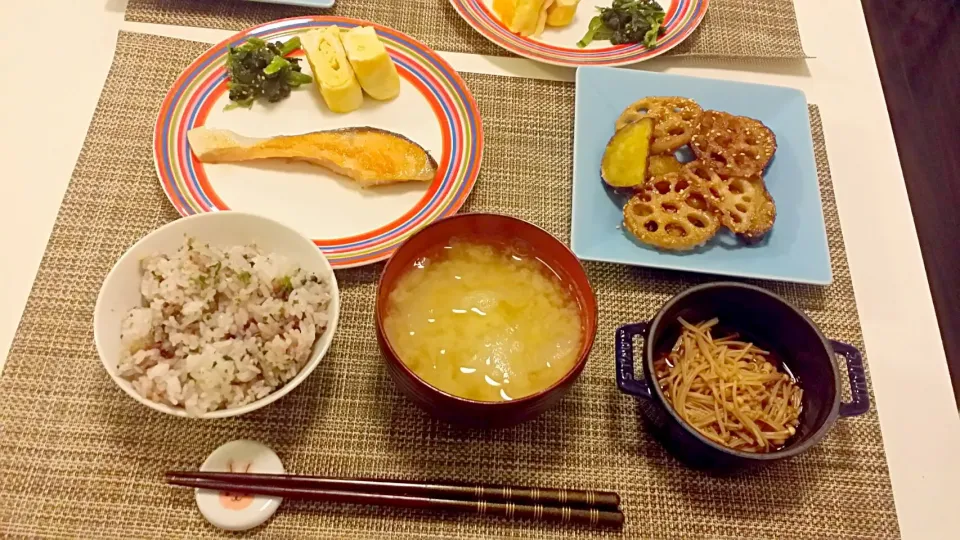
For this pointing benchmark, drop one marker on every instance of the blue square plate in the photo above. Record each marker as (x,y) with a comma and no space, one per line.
(795,250)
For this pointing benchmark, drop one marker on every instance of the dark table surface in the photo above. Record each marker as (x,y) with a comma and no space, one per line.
(917,47)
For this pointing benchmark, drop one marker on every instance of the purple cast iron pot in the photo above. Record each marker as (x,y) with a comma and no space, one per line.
(551,251)
(773,324)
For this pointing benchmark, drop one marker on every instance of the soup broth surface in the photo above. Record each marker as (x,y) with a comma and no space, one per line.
(484,321)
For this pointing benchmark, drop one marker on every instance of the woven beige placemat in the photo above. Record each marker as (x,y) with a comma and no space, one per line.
(745,29)
(731,28)
(78,458)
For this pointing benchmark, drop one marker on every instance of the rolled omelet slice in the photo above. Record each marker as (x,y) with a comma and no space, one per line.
(332,72)
(561,13)
(542,17)
(505,10)
(526,17)
(375,70)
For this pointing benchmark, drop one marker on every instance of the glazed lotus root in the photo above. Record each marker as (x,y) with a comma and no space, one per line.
(676,120)
(733,145)
(743,203)
(671,212)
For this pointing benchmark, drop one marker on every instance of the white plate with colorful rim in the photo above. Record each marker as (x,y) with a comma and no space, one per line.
(352,226)
(559,45)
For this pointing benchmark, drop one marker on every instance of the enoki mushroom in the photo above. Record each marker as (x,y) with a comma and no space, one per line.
(729,390)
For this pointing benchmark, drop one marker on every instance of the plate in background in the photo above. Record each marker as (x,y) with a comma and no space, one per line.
(352,226)
(305,3)
(795,250)
(559,45)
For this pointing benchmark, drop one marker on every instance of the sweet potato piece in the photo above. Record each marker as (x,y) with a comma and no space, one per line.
(661,165)
(624,163)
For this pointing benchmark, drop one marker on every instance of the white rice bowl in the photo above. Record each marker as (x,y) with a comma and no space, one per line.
(215,329)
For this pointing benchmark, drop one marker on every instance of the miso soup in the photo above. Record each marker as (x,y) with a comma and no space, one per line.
(484,321)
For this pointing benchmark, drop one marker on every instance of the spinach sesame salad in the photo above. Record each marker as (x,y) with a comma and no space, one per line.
(261,69)
(627,21)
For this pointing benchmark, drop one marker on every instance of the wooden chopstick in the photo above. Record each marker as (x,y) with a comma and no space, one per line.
(489,493)
(538,512)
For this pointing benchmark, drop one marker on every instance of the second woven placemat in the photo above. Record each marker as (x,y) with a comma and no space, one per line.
(731,28)
(78,458)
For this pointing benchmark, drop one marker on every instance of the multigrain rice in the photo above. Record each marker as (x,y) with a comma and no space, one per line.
(220,327)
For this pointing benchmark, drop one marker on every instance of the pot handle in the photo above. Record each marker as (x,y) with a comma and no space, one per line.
(627,381)
(860,396)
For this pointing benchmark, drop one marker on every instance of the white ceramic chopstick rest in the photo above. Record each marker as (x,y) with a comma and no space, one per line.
(235,512)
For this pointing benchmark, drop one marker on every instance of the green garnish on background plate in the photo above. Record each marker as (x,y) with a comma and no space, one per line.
(626,21)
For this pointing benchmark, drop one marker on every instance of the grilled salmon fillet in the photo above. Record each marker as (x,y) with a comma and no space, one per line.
(370,156)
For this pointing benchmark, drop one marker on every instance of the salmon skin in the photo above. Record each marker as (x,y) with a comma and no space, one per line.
(370,156)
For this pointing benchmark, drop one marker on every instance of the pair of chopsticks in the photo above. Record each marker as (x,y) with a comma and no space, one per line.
(561,505)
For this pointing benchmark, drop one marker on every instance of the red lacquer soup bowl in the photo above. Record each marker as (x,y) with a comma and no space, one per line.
(490,228)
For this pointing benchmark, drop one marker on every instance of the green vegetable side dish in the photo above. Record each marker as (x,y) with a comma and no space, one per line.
(626,21)
(259,69)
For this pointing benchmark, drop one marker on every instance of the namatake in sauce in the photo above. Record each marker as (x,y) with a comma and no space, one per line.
(484,321)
